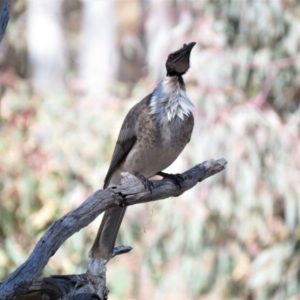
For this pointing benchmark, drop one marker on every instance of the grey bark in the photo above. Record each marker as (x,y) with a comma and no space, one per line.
(131,192)
(4,16)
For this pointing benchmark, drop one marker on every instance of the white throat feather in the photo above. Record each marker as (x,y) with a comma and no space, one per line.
(169,100)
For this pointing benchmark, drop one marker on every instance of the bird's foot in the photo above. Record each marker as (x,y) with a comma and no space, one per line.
(176,178)
(145,181)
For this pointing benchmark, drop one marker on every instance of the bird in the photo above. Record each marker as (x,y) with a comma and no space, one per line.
(153,134)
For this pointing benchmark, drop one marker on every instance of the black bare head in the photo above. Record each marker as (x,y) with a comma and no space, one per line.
(178,62)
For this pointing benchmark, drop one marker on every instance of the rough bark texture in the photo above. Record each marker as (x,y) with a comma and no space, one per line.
(92,284)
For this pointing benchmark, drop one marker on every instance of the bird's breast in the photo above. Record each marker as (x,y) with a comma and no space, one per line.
(157,145)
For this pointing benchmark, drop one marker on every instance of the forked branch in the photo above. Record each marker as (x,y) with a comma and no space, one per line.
(92,284)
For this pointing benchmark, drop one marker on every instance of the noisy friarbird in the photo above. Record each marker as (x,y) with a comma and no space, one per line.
(153,134)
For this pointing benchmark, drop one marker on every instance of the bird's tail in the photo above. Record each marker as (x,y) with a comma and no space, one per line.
(106,237)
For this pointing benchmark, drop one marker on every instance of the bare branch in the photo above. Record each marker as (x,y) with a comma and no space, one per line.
(4,16)
(130,192)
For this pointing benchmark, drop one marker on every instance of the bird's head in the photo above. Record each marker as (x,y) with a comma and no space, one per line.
(178,62)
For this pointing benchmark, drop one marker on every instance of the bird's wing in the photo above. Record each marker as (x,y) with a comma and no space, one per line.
(126,138)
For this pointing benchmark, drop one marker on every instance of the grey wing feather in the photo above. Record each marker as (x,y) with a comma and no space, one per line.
(126,139)
(120,152)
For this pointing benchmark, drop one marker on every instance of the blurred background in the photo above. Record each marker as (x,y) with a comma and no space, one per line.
(69,72)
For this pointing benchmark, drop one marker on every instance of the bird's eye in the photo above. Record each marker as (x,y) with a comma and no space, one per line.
(171,56)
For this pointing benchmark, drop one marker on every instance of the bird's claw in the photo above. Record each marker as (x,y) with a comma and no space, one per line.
(148,184)
(176,178)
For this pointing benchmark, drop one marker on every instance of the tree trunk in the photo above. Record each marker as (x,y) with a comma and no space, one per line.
(46,45)
(97,57)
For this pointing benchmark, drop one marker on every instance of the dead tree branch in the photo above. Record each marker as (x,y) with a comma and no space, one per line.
(4,16)
(92,284)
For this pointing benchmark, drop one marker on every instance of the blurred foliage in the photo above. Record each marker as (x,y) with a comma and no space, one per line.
(235,236)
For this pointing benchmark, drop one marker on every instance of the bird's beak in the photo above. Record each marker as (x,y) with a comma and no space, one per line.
(179,61)
(185,51)
(187,48)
